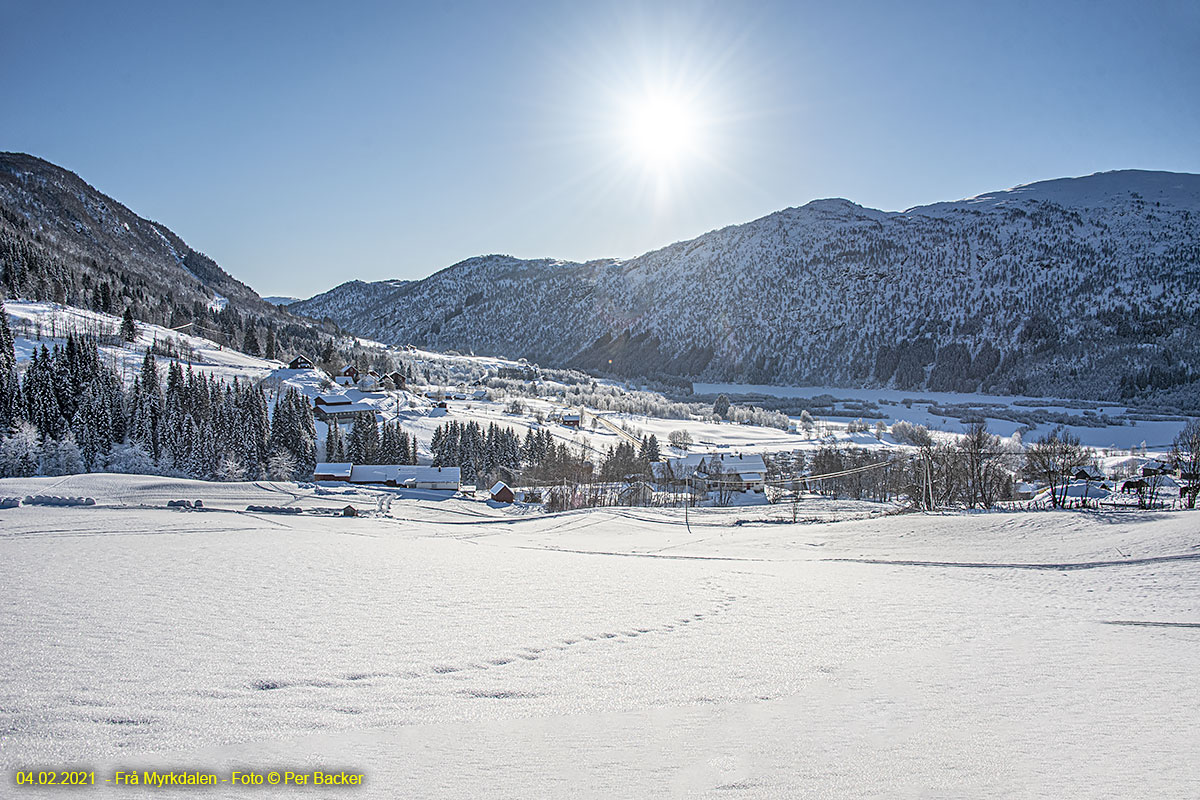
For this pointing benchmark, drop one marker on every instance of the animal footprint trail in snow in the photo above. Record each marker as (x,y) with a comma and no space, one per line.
(528,654)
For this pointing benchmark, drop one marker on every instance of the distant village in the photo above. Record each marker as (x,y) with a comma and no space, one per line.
(701,473)
(735,478)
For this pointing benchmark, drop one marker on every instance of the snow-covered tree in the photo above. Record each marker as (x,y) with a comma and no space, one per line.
(721,406)
(680,439)
(146,417)
(61,456)
(282,466)
(294,432)
(130,459)
(230,469)
(1185,452)
(363,444)
(250,342)
(128,326)
(20,452)
(41,396)
(10,389)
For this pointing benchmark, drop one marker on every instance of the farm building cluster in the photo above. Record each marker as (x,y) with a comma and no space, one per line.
(352,376)
(396,475)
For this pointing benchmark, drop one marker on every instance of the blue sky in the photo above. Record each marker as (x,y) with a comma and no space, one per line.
(304,144)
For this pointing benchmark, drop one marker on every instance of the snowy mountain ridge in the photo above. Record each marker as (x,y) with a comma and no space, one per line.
(64,241)
(1079,287)
(77,222)
(1102,189)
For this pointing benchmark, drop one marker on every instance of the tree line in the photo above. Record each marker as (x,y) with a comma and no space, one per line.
(70,412)
(370,443)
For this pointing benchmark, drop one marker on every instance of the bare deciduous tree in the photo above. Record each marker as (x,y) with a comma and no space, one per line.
(1053,459)
(1186,454)
(680,439)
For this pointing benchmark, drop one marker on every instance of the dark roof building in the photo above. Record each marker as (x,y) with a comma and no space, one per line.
(301,362)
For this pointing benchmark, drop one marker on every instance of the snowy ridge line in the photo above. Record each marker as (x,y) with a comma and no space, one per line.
(1060,567)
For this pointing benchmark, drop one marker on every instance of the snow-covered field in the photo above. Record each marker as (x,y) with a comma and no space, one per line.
(449,649)
(1132,429)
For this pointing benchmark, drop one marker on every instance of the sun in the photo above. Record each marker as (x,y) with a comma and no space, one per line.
(662,130)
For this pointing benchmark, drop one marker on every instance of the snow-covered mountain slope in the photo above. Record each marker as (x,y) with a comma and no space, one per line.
(62,240)
(345,300)
(1086,287)
(77,222)
(1101,190)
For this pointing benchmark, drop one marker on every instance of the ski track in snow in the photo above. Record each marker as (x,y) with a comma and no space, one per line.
(1129,562)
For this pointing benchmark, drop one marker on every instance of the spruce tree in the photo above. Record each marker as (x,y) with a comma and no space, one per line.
(146,417)
(41,399)
(335,450)
(364,440)
(250,342)
(10,388)
(128,326)
(293,434)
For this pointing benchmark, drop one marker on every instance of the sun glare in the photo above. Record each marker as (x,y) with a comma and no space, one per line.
(662,131)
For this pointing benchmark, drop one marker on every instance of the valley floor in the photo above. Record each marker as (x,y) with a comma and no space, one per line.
(450,649)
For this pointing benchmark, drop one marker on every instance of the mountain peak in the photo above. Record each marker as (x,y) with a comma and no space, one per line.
(1116,188)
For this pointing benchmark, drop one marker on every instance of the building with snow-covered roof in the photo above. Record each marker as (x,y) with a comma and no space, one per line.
(734,472)
(346,376)
(301,362)
(332,471)
(407,476)
(501,493)
(339,406)
(1155,467)
(333,399)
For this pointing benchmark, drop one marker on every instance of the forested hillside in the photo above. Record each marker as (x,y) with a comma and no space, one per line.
(61,240)
(1085,287)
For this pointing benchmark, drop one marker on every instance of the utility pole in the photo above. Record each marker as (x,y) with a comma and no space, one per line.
(687,501)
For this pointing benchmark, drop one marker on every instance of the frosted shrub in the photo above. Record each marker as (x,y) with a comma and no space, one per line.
(680,439)
(61,456)
(230,469)
(908,433)
(20,452)
(282,466)
(759,416)
(130,459)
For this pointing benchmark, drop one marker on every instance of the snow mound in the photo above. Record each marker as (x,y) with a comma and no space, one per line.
(54,500)
(275,509)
